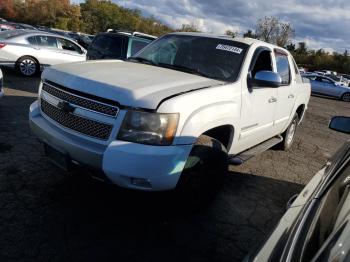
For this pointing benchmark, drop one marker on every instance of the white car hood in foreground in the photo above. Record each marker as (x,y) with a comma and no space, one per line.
(130,84)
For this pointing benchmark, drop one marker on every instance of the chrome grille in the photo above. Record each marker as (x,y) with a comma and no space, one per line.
(79,124)
(80,101)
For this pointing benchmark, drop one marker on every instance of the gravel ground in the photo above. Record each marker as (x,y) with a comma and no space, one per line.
(49,215)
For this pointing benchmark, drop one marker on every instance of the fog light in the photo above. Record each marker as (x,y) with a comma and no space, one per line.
(141,182)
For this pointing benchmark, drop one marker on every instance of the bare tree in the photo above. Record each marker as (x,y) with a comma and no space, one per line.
(271,30)
(189,28)
(231,33)
(285,33)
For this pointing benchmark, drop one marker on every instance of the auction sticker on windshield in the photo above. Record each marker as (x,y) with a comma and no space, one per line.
(229,48)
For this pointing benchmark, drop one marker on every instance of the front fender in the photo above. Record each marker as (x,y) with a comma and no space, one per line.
(206,118)
(204,109)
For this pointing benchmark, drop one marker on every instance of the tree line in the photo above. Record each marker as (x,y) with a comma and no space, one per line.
(91,17)
(272,30)
(95,16)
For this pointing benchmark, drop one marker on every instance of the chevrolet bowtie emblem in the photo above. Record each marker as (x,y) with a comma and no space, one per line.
(65,107)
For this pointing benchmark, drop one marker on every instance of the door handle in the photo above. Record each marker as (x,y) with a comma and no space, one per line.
(272,100)
(291,96)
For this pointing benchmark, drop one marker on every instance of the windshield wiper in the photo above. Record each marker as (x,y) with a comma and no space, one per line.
(141,60)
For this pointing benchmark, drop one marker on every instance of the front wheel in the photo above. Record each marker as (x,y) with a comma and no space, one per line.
(205,167)
(289,134)
(27,66)
(346,97)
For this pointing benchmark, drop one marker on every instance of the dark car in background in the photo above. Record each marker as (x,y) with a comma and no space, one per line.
(84,40)
(316,226)
(117,44)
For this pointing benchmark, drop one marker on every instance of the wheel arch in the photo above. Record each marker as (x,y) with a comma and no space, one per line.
(301,112)
(38,66)
(30,56)
(218,120)
(223,133)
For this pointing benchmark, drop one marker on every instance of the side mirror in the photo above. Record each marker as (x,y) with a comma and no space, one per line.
(265,79)
(340,124)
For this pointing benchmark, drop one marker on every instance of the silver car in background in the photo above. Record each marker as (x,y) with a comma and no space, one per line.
(325,86)
(29,51)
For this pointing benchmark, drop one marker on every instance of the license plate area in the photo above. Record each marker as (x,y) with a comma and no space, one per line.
(57,157)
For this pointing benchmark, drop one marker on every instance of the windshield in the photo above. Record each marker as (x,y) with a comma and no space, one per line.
(335,78)
(209,57)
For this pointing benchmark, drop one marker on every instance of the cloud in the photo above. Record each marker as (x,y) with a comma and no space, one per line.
(322,24)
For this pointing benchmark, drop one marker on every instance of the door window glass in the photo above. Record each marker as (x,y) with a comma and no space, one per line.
(262,63)
(283,68)
(32,40)
(46,41)
(68,45)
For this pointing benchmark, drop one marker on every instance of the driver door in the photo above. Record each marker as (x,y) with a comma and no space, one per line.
(258,104)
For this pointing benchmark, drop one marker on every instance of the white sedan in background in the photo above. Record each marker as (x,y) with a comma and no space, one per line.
(29,51)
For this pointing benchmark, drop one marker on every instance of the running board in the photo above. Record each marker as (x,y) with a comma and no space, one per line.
(248,154)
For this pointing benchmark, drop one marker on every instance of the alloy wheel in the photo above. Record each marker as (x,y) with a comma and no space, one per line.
(27,67)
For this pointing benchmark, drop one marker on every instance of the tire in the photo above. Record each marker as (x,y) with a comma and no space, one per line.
(346,97)
(289,134)
(27,66)
(205,168)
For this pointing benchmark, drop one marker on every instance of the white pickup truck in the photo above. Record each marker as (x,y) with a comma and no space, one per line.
(182,108)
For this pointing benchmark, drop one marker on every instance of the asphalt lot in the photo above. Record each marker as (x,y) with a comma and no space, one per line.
(49,215)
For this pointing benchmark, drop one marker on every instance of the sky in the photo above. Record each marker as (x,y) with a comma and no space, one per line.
(320,23)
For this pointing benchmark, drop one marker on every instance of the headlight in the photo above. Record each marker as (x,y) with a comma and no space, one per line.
(149,128)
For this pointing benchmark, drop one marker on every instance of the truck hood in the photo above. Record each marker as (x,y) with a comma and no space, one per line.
(130,84)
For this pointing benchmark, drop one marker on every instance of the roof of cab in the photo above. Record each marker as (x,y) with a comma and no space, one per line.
(245,40)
